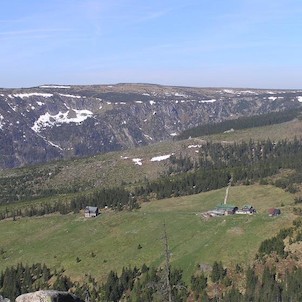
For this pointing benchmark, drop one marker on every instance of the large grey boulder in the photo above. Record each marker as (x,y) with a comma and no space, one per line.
(4,299)
(48,296)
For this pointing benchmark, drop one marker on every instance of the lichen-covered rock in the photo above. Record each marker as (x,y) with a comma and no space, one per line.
(4,299)
(48,296)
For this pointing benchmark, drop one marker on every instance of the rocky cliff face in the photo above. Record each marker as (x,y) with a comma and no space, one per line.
(52,122)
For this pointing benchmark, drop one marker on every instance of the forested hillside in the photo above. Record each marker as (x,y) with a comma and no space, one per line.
(218,162)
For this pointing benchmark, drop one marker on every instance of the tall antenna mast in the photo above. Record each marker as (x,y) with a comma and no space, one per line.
(227,191)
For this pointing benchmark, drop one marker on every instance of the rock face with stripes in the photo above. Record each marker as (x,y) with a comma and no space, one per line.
(51,122)
(48,296)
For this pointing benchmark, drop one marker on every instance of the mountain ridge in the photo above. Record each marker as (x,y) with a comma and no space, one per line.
(52,122)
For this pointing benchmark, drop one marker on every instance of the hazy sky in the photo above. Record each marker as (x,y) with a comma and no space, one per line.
(204,43)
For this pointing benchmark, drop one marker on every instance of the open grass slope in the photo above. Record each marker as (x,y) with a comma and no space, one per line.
(288,130)
(111,240)
(110,169)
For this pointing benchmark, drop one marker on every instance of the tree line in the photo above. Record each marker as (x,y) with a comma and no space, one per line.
(30,185)
(116,198)
(149,284)
(245,162)
(20,279)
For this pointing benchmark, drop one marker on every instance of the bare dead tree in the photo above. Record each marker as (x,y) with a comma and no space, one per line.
(168,268)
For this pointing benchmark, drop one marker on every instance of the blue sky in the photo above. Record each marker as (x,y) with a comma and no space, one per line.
(204,43)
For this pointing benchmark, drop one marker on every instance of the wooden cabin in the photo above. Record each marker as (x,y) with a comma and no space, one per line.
(91,211)
(274,212)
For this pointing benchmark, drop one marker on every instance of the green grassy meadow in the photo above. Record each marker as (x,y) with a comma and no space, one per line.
(111,240)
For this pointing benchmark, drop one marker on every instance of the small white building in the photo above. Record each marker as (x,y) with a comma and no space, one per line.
(91,211)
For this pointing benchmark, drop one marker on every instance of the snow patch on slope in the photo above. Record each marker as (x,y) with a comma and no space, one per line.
(272,98)
(180,95)
(208,101)
(1,120)
(161,157)
(148,137)
(137,161)
(48,142)
(14,108)
(53,144)
(71,96)
(55,86)
(27,95)
(248,92)
(231,91)
(48,120)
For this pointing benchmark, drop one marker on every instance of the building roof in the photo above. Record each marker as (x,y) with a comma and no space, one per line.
(91,209)
(225,207)
(274,210)
(247,206)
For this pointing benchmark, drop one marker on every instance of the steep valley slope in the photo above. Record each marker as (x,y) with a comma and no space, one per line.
(52,122)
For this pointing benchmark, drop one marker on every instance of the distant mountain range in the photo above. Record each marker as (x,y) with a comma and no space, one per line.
(51,122)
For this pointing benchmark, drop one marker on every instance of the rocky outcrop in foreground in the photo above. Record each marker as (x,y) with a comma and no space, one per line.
(48,296)
(4,299)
